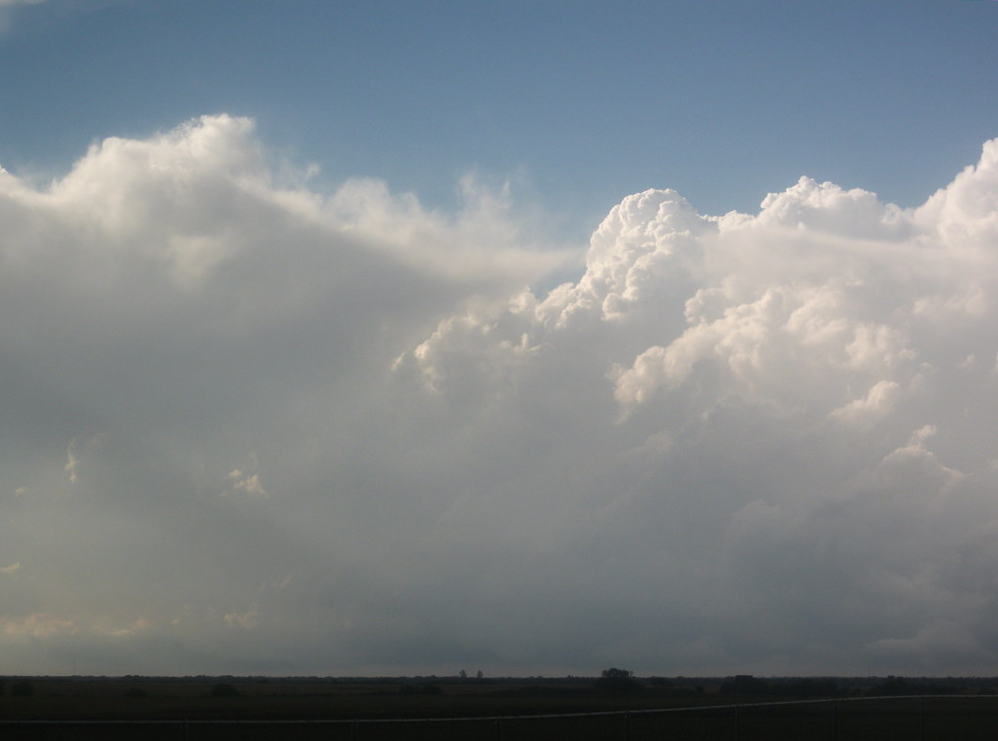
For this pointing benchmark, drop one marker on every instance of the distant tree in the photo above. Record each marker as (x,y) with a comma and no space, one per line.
(479,675)
(901,686)
(463,674)
(617,680)
(614,673)
(807,687)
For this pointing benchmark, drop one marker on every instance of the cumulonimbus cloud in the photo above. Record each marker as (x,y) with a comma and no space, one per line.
(788,360)
(741,442)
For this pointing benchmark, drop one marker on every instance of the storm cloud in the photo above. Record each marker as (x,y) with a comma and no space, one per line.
(252,427)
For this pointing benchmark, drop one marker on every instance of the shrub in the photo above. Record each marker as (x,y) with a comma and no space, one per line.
(617,680)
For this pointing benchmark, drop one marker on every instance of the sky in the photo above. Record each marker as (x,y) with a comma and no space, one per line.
(377,338)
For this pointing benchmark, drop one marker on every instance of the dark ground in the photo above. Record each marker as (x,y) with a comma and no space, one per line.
(371,710)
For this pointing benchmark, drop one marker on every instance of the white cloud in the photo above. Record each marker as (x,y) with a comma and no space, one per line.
(247,620)
(37,626)
(735,443)
(744,340)
(248,484)
(873,407)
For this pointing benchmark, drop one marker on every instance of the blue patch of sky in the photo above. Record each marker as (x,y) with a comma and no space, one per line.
(578,102)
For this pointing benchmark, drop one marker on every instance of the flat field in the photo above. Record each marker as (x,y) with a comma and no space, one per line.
(172,709)
(282,699)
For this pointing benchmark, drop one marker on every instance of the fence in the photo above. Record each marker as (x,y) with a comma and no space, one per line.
(908,718)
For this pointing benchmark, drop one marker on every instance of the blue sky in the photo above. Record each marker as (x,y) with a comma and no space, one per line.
(576,103)
(344,338)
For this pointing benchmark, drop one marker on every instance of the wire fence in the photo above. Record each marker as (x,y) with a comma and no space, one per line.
(905,718)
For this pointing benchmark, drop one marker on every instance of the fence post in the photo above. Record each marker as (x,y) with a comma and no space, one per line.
(498,729)
(627,727)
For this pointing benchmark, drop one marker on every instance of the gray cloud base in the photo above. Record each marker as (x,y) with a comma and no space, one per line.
(254,428)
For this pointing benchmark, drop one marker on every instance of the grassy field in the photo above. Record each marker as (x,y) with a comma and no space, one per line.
(54,703)
(192,699)
(119,708)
